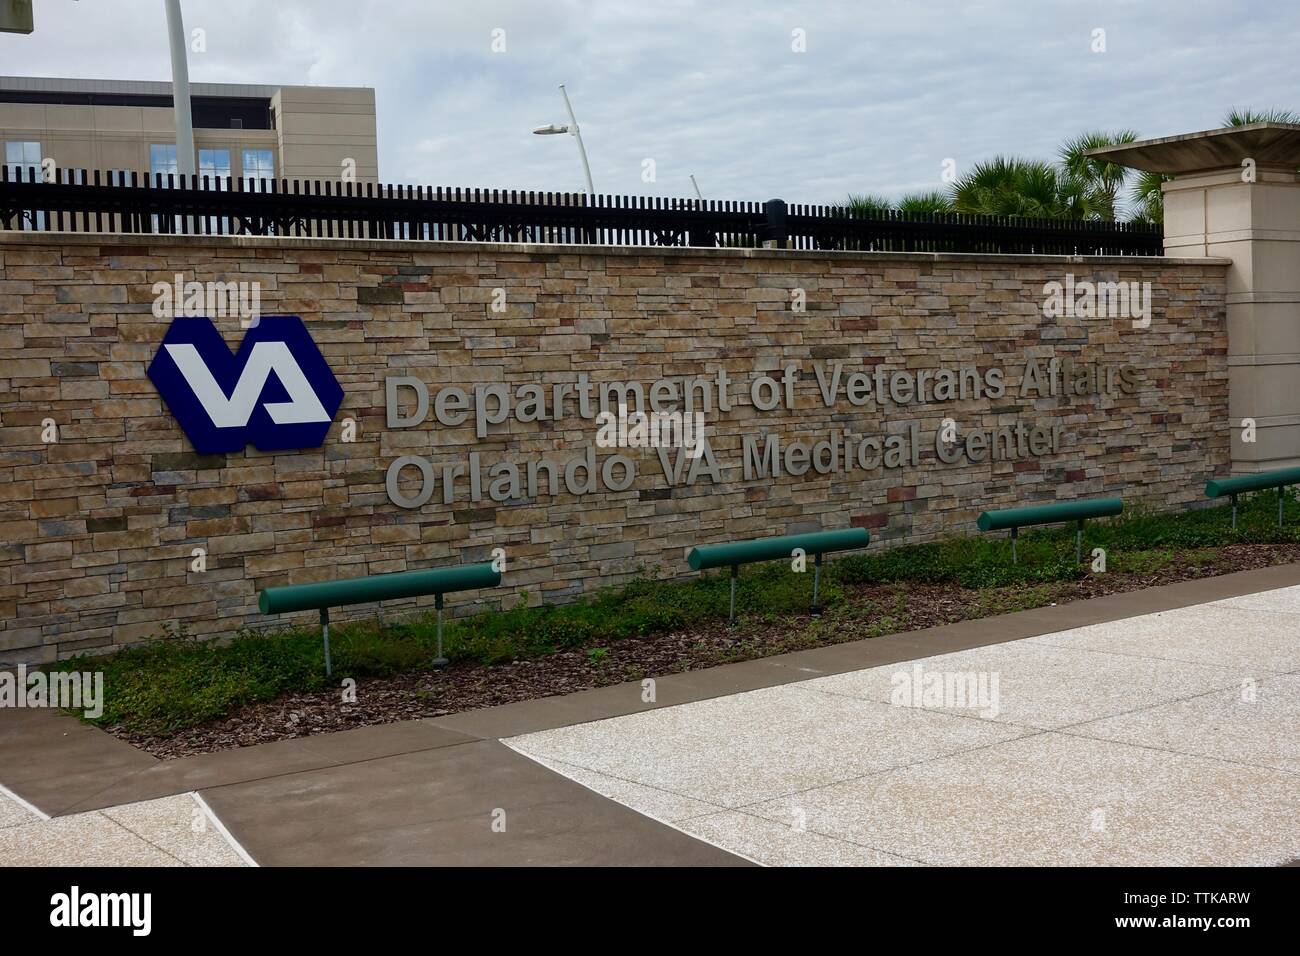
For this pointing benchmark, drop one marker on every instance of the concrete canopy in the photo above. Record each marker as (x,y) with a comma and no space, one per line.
(1268,144)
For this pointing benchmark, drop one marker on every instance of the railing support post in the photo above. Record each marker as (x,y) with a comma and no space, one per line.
(325,637)
(776,228)
(1013,545)
(1234,512)
(1078,543)
(817,573)
(439,661)
(735,573)
(1281,500)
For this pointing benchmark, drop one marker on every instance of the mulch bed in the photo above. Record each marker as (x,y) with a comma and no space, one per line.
(470,686)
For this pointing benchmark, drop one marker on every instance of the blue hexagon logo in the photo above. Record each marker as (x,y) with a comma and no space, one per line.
(276,392)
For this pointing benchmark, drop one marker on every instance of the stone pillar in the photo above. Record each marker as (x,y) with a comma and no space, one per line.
(1236,195)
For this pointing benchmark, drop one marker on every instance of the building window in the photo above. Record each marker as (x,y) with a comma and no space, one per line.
(23,162)
(214,167)
(162,160)
(162,163)
(214,163)
(21,156)
(259,166)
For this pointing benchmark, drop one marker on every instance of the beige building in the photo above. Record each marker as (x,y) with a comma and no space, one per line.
(255,132)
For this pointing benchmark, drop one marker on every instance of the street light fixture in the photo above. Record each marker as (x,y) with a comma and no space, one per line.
(572,128)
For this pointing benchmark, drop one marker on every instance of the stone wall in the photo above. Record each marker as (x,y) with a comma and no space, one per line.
(97,530)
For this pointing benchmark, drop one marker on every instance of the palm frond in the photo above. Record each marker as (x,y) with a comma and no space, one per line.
(1148,200)
(1240,117)
(867,203)
(926,202)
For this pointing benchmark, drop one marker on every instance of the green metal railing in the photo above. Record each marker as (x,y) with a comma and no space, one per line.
(1079,511)
(1278,478)
(735,553)
(323,595)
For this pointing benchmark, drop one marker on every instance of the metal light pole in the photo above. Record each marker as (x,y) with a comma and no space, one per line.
(697,187)
(577,134)
(180,89)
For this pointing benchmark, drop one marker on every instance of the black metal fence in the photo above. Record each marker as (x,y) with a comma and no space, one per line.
(128,202)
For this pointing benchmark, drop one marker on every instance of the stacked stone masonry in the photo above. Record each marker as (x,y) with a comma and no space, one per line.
(97,529)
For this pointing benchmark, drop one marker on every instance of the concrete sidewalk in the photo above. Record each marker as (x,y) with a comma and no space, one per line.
(171,831)
(1122,734)
(401,794)
(1167,739)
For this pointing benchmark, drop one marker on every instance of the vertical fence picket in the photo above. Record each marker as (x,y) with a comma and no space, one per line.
(59,179)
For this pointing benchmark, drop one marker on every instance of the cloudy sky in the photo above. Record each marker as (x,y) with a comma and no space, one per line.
(880,96)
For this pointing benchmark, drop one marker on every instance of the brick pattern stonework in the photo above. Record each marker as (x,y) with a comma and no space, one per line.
(97,530)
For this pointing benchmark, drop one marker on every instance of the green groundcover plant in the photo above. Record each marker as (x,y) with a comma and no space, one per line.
(176,681)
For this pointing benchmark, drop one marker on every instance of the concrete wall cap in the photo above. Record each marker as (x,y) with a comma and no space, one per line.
(1268,144)
(137,240)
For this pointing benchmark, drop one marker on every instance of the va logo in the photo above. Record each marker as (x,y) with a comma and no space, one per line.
(276,392)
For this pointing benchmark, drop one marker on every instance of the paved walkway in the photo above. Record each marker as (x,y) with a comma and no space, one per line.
(1149,727)
(1167,739)
(408,793)
(171,831)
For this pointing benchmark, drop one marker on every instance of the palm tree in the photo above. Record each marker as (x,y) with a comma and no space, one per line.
(1101,182)
(1077,186)
(1148,199)
(1012,186)
(870,204)
(927,202)
(865,204)
(1236,117)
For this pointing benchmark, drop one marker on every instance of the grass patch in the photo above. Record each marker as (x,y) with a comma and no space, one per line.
(176,682)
